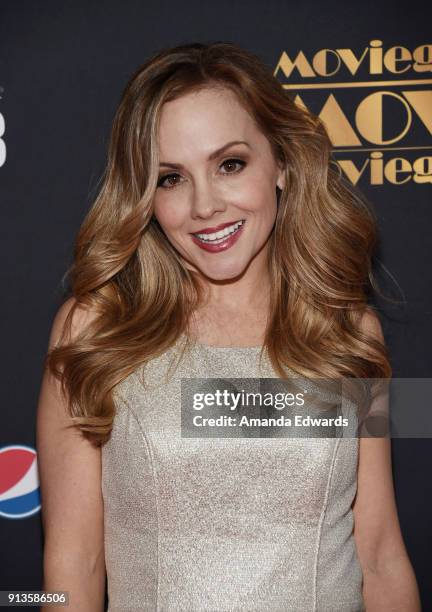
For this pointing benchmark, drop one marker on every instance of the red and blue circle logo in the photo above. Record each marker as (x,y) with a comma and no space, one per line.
(19,482)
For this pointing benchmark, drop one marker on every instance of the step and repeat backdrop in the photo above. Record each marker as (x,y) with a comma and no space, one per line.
(364,67)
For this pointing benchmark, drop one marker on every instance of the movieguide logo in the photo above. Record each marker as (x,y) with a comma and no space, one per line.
(376,103)
(305,408)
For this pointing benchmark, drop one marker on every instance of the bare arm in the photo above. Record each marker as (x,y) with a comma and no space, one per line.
(72,504)
(389,580)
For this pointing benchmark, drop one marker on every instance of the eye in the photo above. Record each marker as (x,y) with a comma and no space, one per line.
(169,181)
(168,177)
(232,163)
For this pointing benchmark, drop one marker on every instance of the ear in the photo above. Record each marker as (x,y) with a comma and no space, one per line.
(281,177)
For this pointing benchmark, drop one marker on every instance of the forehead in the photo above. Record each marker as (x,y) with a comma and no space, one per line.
(204,119)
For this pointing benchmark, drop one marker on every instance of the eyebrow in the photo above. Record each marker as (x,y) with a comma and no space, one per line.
(211,156)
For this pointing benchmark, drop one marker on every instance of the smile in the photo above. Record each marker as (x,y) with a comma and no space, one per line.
(218,237)
(222,240)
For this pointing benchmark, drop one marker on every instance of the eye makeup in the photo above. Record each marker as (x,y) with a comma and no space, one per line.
(232,160)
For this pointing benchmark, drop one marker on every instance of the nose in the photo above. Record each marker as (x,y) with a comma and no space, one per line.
(205,200)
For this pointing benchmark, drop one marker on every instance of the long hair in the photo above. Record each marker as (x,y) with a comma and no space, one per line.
(129,276)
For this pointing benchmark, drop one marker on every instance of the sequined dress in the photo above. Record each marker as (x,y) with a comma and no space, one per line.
(223,524)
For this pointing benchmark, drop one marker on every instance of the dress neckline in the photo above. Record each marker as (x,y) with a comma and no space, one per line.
(211,347)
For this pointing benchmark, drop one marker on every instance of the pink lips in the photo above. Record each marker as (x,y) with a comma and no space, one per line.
(222,246)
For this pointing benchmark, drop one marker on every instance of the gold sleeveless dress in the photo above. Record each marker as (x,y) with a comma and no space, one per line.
(223,524)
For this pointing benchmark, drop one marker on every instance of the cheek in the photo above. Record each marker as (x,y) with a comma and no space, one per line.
(169,214)
(258,195)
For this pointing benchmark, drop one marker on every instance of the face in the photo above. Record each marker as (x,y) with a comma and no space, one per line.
(216,195)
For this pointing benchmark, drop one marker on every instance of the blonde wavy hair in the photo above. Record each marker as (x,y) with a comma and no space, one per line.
(129,276)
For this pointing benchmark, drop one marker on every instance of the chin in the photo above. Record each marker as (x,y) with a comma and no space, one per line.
(223,274)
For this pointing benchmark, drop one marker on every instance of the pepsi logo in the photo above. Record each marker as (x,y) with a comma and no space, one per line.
(19,482)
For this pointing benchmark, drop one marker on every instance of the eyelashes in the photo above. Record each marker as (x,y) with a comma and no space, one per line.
(232,160)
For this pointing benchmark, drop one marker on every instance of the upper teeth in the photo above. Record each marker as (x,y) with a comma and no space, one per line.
(217,235)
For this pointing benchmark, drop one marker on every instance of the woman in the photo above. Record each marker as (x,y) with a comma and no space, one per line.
(222,234)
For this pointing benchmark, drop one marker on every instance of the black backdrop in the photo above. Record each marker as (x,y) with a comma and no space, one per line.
(62,68)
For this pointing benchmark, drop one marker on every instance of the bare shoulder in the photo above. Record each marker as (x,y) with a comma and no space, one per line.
(73,313)
(70,319)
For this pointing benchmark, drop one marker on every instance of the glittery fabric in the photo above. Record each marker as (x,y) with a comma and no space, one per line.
(223,524)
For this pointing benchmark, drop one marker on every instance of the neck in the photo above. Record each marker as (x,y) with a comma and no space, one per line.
(248,292)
